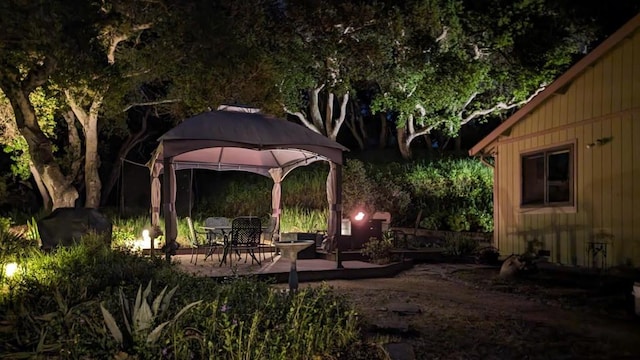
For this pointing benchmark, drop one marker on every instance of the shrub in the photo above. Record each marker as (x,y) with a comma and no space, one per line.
(459,245)
(379,250)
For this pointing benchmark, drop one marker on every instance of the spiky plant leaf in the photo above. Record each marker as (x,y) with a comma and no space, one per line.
(147,291)
(144,318)
(126,311)
(111,324)
(184,309)
(155,334)
(158,301)
(137,304)
(166,300)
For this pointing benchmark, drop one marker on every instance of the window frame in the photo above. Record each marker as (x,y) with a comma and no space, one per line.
(546,207)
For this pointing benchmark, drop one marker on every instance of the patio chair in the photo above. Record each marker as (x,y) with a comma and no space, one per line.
(268,238)
(195,241)
(245,236)
(217,233)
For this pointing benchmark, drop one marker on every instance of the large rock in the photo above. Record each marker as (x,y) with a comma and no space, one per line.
(65,226)
(511,267)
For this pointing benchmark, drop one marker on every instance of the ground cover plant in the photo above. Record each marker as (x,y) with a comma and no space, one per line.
(91,301)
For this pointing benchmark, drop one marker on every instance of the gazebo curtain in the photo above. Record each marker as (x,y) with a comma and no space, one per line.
(276,195)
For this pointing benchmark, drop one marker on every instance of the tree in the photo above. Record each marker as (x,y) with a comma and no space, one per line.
(458,61)
(321,49)
(72,48)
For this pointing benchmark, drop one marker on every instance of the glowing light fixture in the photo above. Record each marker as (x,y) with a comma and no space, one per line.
(10,269)
(145,236)
(359,216)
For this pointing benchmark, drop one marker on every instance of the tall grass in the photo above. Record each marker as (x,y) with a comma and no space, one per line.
(299,219)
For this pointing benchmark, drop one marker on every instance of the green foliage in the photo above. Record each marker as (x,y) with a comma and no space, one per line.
(357,189)
(379,250)
(455,194)
(452,194)
(142,321)
(457,244)
(15,247)
(298,219)
(60,307)
(45,104)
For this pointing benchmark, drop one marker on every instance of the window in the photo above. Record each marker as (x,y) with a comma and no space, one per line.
(547,178)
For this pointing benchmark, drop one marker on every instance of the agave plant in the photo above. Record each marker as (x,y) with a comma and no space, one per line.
(140,318)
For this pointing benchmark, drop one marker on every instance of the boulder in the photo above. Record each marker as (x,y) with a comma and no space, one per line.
(511,267)
(65,226)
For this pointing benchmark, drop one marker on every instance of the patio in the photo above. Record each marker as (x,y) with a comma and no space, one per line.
(278,269)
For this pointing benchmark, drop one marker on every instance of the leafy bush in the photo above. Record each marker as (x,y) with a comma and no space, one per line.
(459,245)
(379,250)
(448,193)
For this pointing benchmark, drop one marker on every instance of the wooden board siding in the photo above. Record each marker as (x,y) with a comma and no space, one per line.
(603,102)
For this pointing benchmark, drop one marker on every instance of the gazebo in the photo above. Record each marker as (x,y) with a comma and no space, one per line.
(242,139)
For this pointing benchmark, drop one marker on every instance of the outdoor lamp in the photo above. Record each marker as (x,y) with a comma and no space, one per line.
(359,216)
(10,269)
(145,236)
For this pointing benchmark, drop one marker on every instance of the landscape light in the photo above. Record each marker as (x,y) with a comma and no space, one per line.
(145,235)
(10,269)
(359,216)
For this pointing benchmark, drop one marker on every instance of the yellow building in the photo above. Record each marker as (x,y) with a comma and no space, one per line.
(567,164)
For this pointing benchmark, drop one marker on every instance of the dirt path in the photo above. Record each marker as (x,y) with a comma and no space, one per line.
(460,321)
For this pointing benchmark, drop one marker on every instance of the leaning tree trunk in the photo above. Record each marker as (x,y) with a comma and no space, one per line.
(403,144)
(17,89)
(42,189)
(61,190)
(89,122)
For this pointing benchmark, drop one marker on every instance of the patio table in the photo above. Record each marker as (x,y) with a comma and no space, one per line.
(211,230)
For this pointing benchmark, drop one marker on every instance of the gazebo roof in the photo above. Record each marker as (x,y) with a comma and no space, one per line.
(243,139)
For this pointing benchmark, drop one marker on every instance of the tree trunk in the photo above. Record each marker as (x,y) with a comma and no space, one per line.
(459,142)
(403,145)
(89,122)
(17,89)
(46,198)
(92,164)
(62,193)
(383,130)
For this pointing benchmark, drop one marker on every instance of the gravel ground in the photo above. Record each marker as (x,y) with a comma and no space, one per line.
(466,313)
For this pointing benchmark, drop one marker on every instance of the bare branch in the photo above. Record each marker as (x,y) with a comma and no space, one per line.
(501,106)
(150,103)
(343,112)
(316,117)
(76,109)
(118,38)
(443,35)
(469,100)
(303,119)
(113,44)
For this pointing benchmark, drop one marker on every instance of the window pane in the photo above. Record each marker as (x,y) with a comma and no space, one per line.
(533,179)
(559,166)
(559,177)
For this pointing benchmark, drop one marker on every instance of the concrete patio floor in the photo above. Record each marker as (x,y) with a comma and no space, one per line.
(278,268)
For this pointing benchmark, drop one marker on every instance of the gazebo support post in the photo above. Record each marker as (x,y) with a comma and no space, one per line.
(338,217)
(167,187)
